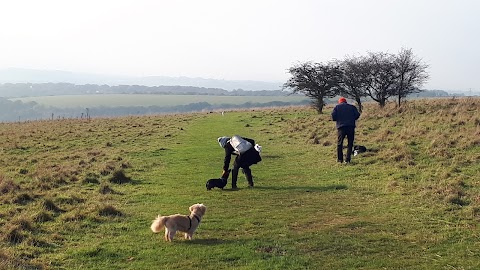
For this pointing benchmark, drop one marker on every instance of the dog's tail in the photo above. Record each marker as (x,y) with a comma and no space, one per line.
(158,224)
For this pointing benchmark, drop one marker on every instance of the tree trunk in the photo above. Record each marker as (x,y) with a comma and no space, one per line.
(382,103)
(359,104)
(319,105)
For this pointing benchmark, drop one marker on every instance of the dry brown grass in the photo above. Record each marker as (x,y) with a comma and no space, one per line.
(435,138)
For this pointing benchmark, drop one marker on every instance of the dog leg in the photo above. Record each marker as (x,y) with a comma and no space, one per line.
(166,234)
(188,236)
(208,186)
(171,235)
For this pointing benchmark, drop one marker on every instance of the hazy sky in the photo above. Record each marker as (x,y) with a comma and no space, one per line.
(238,40)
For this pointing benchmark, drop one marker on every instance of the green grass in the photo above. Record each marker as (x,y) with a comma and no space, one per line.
(116,100)
(411,202)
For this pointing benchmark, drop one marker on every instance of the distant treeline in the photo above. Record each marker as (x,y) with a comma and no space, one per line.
(12,90)
(11,111)
(54,89)
(19,111)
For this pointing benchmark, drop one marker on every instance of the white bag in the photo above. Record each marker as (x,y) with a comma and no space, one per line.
(240,145)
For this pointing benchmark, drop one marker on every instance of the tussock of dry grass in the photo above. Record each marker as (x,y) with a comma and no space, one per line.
(119,177)
(7,186)
(43,216)
(109,210)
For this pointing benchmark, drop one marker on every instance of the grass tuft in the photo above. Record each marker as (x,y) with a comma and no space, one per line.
(106,189)
(23,198)
(43,216)
(109,211)
(91,178)
(14,234)
(49,205)
(119,177)
(7,186)
(25,224)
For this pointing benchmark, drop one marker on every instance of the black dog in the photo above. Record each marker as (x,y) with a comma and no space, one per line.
(357,149)
(218,182)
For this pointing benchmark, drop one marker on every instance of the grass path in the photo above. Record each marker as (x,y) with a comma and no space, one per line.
(306,211)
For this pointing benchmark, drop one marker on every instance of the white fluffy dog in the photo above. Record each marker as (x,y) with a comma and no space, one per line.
(182,223)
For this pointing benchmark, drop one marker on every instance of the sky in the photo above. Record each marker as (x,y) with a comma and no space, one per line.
(238,40)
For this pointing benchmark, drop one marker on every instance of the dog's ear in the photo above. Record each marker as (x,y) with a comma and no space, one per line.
(198,207)
(193,207)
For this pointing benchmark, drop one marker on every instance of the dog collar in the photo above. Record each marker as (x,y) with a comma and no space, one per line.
(196,217)
(190,220)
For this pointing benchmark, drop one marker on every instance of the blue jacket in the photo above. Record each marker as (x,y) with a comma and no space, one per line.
(345,114)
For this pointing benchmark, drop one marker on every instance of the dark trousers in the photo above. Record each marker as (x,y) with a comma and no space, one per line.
(343,132)
(246,170)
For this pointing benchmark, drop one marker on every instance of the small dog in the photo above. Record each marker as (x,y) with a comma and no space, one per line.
(178,222)
(218,182)
(357,149)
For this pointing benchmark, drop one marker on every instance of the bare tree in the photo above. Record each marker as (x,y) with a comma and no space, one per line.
(316,80)
(411,74)
(355,79)
(382,77)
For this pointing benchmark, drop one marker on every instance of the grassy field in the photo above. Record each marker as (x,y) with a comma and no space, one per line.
(115,100)
(78,194)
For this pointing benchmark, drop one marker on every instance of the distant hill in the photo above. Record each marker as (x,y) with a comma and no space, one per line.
(12,90)
(16,75)
(47,80)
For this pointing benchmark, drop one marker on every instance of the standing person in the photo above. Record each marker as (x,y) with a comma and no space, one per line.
(345,115)
(246,153)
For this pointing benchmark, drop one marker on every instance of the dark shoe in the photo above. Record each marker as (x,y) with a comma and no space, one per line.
(250,185)
(340,161)
(234,187)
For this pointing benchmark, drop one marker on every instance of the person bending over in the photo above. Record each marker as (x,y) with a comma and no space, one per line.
(246,153)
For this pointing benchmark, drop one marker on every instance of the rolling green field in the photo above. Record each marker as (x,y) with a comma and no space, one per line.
(115,100)
(80,194)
